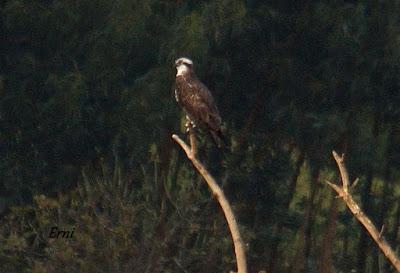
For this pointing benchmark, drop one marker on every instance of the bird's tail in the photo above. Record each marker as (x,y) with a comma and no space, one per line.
(219,138)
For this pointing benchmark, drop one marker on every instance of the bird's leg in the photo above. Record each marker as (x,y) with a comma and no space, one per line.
(187,124)
(190,127)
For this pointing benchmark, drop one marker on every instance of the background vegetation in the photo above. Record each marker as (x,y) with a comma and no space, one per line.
(87,111)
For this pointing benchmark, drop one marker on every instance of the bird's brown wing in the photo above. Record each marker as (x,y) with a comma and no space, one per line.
(201,106)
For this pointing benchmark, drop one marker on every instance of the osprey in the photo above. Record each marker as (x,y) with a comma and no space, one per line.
(197,101)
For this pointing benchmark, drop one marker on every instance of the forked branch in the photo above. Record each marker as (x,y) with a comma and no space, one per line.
(222,200)
(343,192)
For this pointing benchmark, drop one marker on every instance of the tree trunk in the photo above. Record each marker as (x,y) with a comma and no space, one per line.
(325,259)
(258,107)
(384,207)
(393,234)
(311,214)
(274,255)
(364,241)
(304,249)
(345,251)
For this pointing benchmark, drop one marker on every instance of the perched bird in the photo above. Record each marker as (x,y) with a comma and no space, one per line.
(196,100)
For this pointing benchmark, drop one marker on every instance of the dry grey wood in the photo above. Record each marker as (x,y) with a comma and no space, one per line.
(222,200)
(343,192)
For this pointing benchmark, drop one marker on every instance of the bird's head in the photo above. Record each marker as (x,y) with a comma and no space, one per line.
(183,66)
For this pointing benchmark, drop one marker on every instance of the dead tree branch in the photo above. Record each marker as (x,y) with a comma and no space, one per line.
(343,192)
(222,200)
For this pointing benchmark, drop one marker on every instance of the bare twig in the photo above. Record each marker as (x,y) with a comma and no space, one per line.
(355,183)
(179,265)
(359,214)
(382,230)
(222,200)
(343,171)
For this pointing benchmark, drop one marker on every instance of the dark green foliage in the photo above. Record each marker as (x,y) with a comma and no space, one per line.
(87,112)
(118,227)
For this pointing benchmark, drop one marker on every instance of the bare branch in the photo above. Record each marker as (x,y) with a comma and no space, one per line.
(382,230)
(345,176)
(223,201)
(355,183)
(336,188)
(184,146)
(360,215)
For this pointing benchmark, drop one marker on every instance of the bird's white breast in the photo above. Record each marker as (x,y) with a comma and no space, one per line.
(181,70)
(176,96)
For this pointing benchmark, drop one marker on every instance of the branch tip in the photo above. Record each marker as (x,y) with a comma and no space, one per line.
(355,183)
(338,158)
(328,181)
(336,188)
(382,230)
(184,146)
